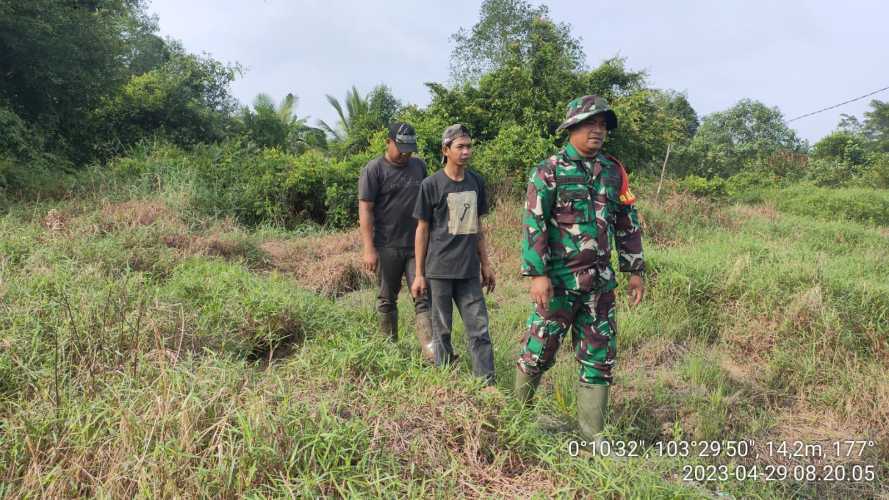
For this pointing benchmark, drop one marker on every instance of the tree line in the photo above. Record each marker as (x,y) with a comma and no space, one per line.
(86,82)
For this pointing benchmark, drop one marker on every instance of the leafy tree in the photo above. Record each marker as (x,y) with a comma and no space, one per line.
(876,125)
(749,134)
(840,145)
(675,104)
(60,59)
(505,28)
(186,101)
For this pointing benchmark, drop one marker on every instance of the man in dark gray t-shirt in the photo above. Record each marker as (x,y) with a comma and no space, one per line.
(451,253)
(387,192)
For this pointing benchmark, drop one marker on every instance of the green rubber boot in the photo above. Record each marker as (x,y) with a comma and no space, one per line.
(592,401)
(525,385)
(424,336)
(389,325)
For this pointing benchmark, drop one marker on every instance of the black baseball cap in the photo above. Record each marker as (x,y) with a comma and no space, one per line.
(405,137)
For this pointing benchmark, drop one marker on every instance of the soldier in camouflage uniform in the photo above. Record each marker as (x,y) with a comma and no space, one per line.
(578,201)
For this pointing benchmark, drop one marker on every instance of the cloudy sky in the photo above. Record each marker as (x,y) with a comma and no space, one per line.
(797,55)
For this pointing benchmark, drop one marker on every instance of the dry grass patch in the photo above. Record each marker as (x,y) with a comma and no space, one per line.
(658,352)
(751,338)
(136,213)
(329,265)
(213,245)
(443,424)
(55,220)
(766,211)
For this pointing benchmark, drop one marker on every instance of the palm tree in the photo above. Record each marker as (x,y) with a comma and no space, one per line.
(272,125)
(356,108)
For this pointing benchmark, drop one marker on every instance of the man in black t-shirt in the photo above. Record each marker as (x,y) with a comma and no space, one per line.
(451,253)
(387,191)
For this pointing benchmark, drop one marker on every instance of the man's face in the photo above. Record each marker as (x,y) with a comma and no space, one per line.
(588,136)
(459,152)
(394,155)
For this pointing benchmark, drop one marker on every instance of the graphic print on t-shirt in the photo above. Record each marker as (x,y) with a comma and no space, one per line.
(463,213)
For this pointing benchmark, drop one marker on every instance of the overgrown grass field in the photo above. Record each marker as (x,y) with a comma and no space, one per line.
(150,349)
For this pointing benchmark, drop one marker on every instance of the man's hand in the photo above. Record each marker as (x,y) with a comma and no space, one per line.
(488,280)
(419,288)
(541,291)
(636,289)
(370,259)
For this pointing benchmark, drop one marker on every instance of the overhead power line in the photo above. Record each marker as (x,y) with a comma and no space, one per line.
(838,105)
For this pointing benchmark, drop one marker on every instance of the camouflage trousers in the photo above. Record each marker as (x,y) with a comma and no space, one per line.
(594,335)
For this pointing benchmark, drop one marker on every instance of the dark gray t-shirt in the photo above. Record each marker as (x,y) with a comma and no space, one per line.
(453,210)
(393,191)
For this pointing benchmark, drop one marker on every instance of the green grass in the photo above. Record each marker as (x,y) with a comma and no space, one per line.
(859,205)
(132,364)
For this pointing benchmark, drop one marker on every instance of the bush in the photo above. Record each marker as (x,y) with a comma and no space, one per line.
(876,173)
(505,161)
(255,186)
(185,101)
(716,187)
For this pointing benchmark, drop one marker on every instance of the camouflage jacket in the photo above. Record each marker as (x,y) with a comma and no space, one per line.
(574,209)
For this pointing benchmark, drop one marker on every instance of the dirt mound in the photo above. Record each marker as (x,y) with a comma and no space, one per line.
(329,265)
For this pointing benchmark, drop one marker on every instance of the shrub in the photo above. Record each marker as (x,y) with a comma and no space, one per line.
(715,187)
(505,161)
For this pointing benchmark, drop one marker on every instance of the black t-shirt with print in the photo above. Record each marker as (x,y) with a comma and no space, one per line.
(453,210)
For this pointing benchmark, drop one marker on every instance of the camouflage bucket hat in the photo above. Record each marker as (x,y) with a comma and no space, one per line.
(584,108)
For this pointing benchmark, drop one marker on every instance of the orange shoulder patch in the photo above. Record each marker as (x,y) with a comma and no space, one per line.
(625,196)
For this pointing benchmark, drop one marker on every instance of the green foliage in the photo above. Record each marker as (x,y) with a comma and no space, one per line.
(876,173)
(184,101)
(26,168)
(240,314)
(504,162)
(254,185)
(715,187)
(92,78)
(429,126)
(360,119)
(647,126)
(861,205)
(747,135)
(341,187)
(506,28)
(876,125)
(856,153)
(17,139)
(59,60)
(269,126)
